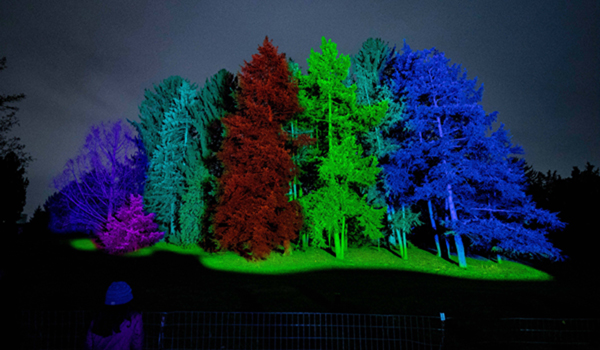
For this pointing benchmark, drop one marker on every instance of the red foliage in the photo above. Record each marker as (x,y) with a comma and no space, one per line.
(130,229)
(254,215)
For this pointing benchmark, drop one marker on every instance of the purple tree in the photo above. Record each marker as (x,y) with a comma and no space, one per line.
(130,229)
(98,180)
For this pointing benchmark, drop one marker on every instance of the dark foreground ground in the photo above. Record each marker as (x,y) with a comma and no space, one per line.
(50,275)
(46,274)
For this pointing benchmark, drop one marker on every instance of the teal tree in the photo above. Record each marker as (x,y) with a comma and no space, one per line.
(214,102)
(173,108)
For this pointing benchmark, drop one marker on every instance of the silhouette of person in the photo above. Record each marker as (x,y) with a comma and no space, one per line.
(118,326)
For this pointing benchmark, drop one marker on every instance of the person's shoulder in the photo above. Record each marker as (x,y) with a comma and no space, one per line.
(136,315)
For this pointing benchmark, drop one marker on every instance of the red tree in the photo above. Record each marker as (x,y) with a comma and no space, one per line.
(254,215)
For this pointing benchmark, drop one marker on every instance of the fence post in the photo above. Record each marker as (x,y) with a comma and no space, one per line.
(161,332)
(443,318)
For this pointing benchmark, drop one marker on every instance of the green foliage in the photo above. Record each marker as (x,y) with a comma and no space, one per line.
(330,108)
(331,206)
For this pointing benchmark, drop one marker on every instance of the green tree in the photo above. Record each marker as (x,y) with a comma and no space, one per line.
(331,110)
(330,207)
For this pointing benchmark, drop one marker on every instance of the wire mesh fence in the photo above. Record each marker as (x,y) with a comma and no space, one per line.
(254,330)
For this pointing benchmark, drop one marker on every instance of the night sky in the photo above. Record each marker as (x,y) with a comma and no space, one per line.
(83,62)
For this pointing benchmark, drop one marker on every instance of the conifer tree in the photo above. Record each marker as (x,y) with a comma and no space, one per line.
(215,100)
(194,202)
(152,112)
(254,215)
(302,155)
(129,229)
(165,185)
(331,110)
(447,159)
(368,66)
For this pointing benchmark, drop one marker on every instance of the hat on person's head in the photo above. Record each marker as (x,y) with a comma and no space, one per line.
(118,293)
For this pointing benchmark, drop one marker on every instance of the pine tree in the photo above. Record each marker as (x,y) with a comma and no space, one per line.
(199,198)
(368,66)
(166,181)
(130,229)
(194,204)
(254,215)
(331,110)
(447,159)
(332,206)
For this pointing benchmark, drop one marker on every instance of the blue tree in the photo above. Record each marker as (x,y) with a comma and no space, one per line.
(472,180)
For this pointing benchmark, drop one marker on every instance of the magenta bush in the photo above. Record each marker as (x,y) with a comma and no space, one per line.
(130,229)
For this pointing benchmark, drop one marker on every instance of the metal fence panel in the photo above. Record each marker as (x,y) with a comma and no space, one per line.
(260,330)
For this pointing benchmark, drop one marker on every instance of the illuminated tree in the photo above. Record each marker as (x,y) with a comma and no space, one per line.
(446,158)
(330,207)
(98,180)
(204,168)
(331,110)
(129,229)
(254,215)
(165,184)
(380,140)
(193,204)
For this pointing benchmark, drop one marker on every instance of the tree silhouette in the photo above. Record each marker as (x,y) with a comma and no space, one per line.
(14,190)
(8,119)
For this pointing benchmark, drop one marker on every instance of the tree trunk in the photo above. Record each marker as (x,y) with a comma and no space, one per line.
(460,249)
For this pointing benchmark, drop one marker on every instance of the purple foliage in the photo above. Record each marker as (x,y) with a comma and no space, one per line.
(130,229)
(109,167)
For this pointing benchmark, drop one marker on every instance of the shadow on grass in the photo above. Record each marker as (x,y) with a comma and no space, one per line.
(53,276)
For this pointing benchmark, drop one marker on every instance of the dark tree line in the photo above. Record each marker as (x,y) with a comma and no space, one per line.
(13,161)
(574,198)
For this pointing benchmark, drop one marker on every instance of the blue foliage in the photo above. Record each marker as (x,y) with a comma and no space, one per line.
(446,151)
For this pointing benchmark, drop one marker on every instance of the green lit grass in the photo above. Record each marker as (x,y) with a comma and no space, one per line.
(314,259)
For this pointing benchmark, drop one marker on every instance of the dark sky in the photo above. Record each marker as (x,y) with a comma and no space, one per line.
(84,62)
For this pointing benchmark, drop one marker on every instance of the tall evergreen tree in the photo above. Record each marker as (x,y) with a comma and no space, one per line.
(152,112)
(368,66)
(214,101)
(447,158)
(331,110)
(165,184)
(254,215)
